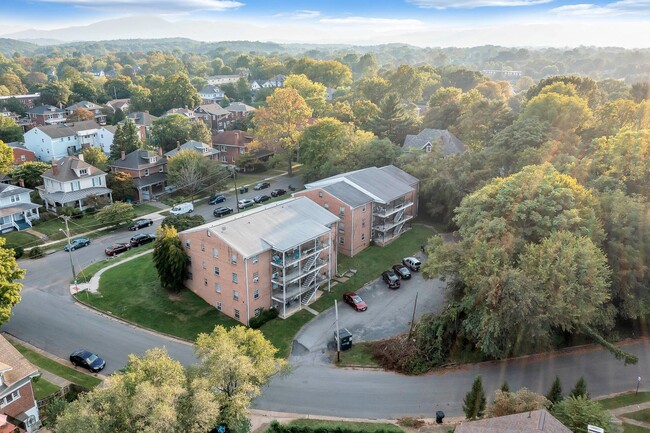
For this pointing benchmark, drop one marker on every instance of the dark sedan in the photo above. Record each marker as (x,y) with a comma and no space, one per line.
(140,224)
(391,279)
(222,211)
(88,360)
(243,189)
(402,271)
(77,243)
(261,198)
(261,185)
(142,239)
(278,192)
(220,198)
(115,249)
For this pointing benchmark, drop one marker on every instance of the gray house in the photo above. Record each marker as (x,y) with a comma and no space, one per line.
(429,139)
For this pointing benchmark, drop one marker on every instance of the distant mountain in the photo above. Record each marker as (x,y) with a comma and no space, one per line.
(43,42)
(10,46)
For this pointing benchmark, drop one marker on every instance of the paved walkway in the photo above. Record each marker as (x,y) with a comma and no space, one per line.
(93,285)
(619,412)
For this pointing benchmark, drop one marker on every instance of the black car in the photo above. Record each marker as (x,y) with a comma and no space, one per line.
(243,189)
(261,198)
(278,192)
(402,271)
(115,249)
(391,279)
(222,211)
(142,239)
(140,224)
(261,185)
(85,359)
(220,198)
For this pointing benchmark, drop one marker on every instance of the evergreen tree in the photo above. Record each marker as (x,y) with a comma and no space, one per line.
(394,120)
(170,259)
(505,387)
(118,116)
(555,393)
(126,139)
(580,389)
(474,403)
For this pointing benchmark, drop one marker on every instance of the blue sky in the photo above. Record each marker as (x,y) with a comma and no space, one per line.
(420,22)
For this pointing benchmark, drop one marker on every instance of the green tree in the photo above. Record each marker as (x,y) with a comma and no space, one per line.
(580,389)
(372,89)
(474,402)
(30,172)
(182,222)
(55,93)
(577,412)
(126,139)
(94,155)
(244,93)
(170,259)
(567,113)
(10,131)
(237,363)
(169,130)
(505,387)
(191,172)
(444,108)
(117,117)
(116,214)
(555,393)
(177,91)
(9,288)
(508,403)
(200,132)
(6,157)
(281,122)
(118,87)
(394,120)
(122,185)
(313,93)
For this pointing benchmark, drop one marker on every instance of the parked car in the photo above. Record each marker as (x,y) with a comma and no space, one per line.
(88,360)
(115,249)
(402,271)
(140,224)
(261,198)
(244,203)
(391,279)
(182,208)
(278,192)
(243,189)
(355,301)
(222,211)
(142,239)
(219,198)
(76,244)
(412,263)
(261,185)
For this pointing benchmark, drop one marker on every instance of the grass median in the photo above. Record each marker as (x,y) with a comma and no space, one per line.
(327,425)
(624,400)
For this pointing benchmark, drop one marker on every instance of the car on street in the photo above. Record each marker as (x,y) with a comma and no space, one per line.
(182,208)
(355,301)
(243,189)
(141,223)
(76,244)
(142,239)
(244,203)
(391,279)
(412,263)
(115,249)
(87,360)
(261,185)
(219,198)
(261,198)
(222,211)
(278,192)
(402,271)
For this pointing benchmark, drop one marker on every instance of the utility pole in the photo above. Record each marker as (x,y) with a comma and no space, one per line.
(413,318)
(338,335)
(67,234)
(234,179)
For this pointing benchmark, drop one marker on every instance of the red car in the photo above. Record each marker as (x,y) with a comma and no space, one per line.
(355,301)
(115,249)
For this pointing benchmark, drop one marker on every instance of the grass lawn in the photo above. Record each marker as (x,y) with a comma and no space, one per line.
(87,273)
(331,425)
(45,363)
(629,428)
(43,388)
(371,262)
(360,354)
(22,238)
(624,400)
(250,179)
(640,415)
(281,332)
(142,300)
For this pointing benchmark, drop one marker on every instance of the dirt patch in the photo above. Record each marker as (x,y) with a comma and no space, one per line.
(174,297)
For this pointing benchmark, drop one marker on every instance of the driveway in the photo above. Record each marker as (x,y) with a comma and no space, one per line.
(389,313)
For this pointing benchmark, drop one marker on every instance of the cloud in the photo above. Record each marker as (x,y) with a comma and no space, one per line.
(369,21)
(154,6)
(472,4)
(299,14)
(622,7)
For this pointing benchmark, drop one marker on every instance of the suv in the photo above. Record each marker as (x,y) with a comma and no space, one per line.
(261,185)
(391,279)
(141,239)
(141,223)
(222,211)
(278,192)
(412,263)
(244,203)
(217,199)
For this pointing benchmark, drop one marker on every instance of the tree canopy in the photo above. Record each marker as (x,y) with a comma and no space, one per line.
(9,287)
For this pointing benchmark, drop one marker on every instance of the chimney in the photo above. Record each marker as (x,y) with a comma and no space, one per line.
(178,145)
(160,152)
(123,157)
(80,156)
(55,166)
(21,183)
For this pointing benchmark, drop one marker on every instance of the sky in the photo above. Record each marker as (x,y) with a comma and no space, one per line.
(434,23)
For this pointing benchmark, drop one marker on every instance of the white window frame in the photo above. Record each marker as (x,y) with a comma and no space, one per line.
(234,277)
(217,287)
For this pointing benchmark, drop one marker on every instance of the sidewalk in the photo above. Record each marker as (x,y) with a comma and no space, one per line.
(93,284)
(619,412)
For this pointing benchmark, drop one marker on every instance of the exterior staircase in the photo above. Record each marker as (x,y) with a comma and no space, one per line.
(306,297)
(22,225)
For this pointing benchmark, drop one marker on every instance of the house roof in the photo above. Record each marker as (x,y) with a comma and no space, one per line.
(20,366)
(68,129)
(68,197)
(18,145)
(16,207)
(152,179)
(348,194)
(141,118)
(209,89)
(397,172)
(526,422)
(42,109)
(232,138)
(193,145)
(182,111)
(240,107)
(448,142)
(7,190)
(118,103)
(139,159)
(66,167)
(214,109)
(84,104)
(280,225)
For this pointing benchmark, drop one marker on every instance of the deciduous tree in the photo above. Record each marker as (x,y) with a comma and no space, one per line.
(6,157)
(9,287)
(508,403)
(192,172)
(577,412)
(116,213)
(9,130)
(30,172)
(170,259)
(80,114)
(94,155)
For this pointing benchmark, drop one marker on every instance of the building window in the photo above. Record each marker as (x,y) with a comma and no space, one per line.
(203,265)
(146,172)
(187,243)
(341,240)
(161,168)
(363,236)
(205,282)
(236,313)
(23,158)
(202,247)
(256,293)
(9,398)
(215,252)
(320,193)
(256,259)
(233,259)
(189,276)
(218,306)
(234,277)
(363,209)
(83,171)
(189,260)
(15,198)
(258,311)
(256,277)
(341,211)
(216,270)
(76,186)
(326,206)
(363,223)
(97,181)
(235,295)
(217,287)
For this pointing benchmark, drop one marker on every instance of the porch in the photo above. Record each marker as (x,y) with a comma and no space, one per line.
(18,216)
(77,198)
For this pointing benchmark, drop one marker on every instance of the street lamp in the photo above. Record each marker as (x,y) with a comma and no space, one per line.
(67,234)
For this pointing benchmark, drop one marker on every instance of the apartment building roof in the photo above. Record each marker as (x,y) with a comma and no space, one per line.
(397,172)
(281,225)
(69,129)
(348,194)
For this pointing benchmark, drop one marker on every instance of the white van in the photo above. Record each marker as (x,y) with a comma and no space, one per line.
(182,208)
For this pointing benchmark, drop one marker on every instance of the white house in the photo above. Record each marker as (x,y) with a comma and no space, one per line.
(16,208)
(255,86)
(276,81)
(69,183)
(216,80)
(58,141)
(97,110)
(210,94)
(104,138)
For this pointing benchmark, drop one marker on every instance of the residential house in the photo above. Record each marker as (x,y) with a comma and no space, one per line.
(434,139)
(144,121)
(46,115)
(73,182)
(16,208)
(9,114)
(57,141)
(97,110)
(217,80)
(255,86)
(148,170)
(17,401)
(239,110)
(27,100)
(329,93)
(534,421)
(374,204)
(273,82)
(119,104)
(211,94)
(214,116)
(231,144)
(272,256)
(204,149)
(185,112)
(21,153)
(105,136)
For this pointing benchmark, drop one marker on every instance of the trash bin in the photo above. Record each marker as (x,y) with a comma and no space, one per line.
(346,338)
(439,416)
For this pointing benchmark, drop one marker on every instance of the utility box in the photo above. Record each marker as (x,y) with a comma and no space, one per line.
(346,338)
(440,415)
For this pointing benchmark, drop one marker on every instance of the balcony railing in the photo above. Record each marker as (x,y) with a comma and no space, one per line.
(386,211)
(388,225)
(382,238)
(297,255)
(294,290)
(276,277)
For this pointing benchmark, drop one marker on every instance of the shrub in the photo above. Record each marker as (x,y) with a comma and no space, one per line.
(35,253)
(265,316)
(408,421)
(399,354)
(18,250)
(70,211)
(183,222)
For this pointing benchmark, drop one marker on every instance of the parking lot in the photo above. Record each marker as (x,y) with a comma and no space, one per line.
(389,313)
